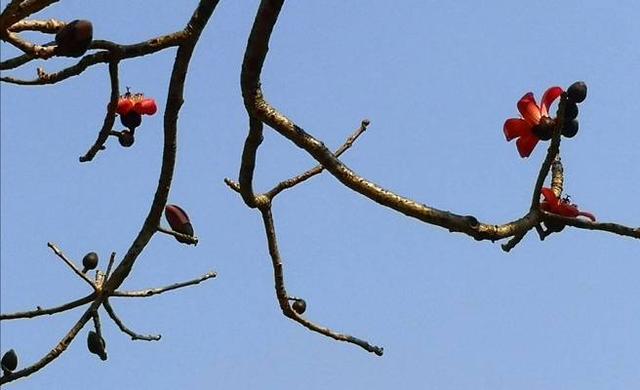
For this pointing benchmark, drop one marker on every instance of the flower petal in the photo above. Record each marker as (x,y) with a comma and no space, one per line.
(525,145)
(516,127)
(124,106)
(588,215)
(529,109)
(550,95)
(549,195)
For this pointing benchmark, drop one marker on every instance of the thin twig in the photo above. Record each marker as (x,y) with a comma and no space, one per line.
(191,240)
(110,116)
(29,48)
(75,269)
(283,298)
(286,184)
(112,258)
(582,223)
(134,336)
(50,26)
(155,291)
(53,310)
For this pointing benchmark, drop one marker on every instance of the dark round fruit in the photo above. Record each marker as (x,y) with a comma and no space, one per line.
(90,261)
(554,227)
(299,306)
(570,111)
(9,361)
(96,345)
(74,39)
(126,138)
(570,128)
(544,129)
(131,120)
(577,92)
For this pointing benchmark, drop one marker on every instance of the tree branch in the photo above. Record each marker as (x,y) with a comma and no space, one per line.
(134,336)
(54,310)
(155,291)
(283,298)
(75,269)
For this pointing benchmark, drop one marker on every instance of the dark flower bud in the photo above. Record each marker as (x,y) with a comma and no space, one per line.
(89,261)
(554,227)
(299,306)
(9,361)
(179,221)
(96,345)
(570,111)
(126,138)
(570,128)
(577,92)
(544,129)
(74,39)
(131,120)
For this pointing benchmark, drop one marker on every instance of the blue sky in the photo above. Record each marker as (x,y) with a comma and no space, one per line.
(437,80)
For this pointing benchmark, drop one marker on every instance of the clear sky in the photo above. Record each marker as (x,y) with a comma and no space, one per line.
(437,80)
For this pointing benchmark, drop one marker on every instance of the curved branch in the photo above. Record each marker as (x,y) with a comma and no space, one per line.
(258,107)
(155,291)
(134,336)
(283,298)
(110,116)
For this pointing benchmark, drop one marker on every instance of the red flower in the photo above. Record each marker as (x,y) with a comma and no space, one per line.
(523,129)
(562,207)
(137,103)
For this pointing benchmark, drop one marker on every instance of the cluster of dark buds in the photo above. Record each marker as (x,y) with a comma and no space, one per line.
(536,124)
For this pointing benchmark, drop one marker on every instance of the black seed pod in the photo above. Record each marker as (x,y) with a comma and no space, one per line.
(126,138)
(89,261)
(131,120)
(74,39)
(9,361)
(554,227)
(544,129)
(96,345)
(299,306)
(577,92)
(570,111)
(570,128)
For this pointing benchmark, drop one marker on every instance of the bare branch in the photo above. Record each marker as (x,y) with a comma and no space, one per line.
(155,291)
(75,269)
(581,223)
(50,26)
(318,168)
(123,328)
(283,298)
(258,107)
(110,117)
(56,351)
(112,258)
(191,240)
(557,176)
(29,48)
(113,52)
(54,310)
(17,10)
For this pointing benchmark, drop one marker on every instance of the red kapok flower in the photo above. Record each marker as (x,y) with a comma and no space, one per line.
(533,115)
(136,102)
(562,207)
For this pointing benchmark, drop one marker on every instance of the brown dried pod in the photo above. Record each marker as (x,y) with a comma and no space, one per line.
(74,39)
(299,306)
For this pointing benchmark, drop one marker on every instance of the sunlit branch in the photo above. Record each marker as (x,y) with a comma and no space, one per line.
(155,291)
